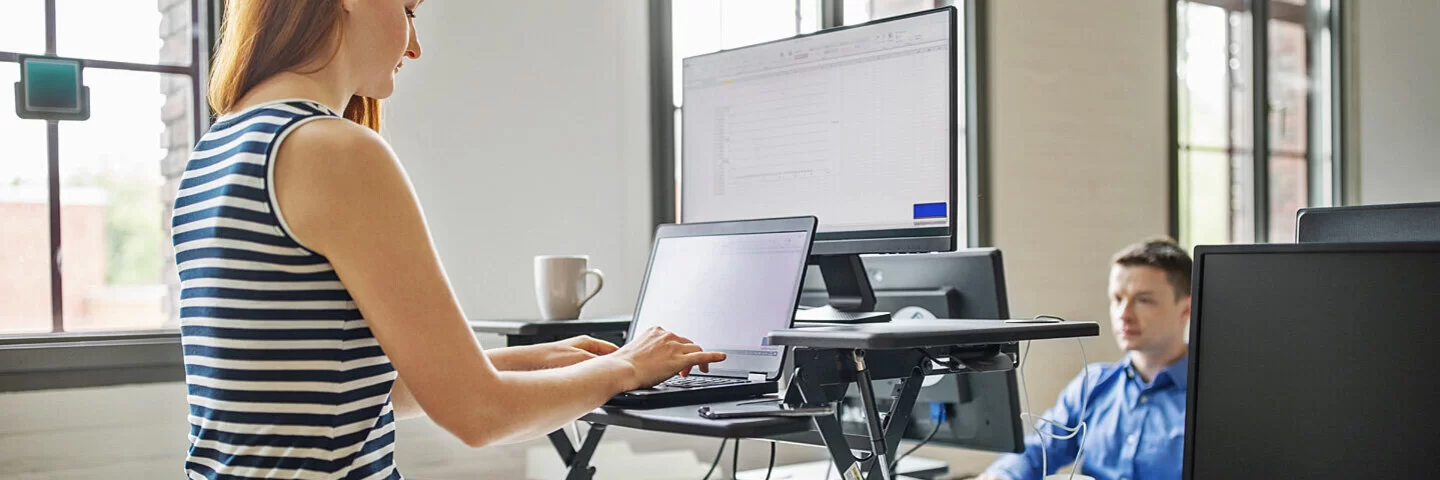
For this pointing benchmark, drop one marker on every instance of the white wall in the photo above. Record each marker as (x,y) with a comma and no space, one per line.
(1396,71)
(525,129)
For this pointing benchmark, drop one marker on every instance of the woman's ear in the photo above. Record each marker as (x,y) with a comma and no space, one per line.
(348,5)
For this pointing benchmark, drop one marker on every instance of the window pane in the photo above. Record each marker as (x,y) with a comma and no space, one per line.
(1206,194)
(115,198)
(22,30)
(809,11)
(1324,102)
(1289,121)
(25,210)
(1288,194)
(702,26)
(861,11)
(137,31)
(1289,88)
(1204,76)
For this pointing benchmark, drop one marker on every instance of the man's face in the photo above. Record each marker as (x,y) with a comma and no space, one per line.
(1145,314)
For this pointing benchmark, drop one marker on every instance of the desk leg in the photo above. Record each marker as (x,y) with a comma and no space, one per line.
(832,435)
(899,416)
(578,462)
(872,417)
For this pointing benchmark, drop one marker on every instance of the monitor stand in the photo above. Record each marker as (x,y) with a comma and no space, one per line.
(851,298)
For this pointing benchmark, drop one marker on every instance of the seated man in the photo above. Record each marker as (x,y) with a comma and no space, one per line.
(1134,409)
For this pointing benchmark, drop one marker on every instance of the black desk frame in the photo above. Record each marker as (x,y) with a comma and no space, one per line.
(822,376)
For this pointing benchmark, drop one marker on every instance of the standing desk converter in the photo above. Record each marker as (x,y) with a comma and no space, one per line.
(827,359)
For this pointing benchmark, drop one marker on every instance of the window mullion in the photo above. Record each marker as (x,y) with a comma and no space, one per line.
(1260,106)
(832,14)
(52,140)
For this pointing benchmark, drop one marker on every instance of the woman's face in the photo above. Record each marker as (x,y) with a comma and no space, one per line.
(379,36)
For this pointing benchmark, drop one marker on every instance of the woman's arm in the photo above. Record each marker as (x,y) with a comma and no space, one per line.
(344,195)
(529,357)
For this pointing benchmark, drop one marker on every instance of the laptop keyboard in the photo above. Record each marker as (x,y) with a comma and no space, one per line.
(698,382)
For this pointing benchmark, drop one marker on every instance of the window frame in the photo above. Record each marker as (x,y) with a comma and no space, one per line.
(1262,12)
(61,359)
(663,141)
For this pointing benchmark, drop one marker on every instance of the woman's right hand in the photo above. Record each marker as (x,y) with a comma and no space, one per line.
(656,355)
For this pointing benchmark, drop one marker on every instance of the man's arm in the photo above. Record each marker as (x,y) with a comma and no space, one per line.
(1058,452)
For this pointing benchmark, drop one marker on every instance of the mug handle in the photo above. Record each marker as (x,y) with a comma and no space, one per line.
(599,284)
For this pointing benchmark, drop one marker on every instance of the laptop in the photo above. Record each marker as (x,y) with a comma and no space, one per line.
(725,286)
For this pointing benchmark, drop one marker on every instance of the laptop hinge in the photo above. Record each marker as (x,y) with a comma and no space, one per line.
(755,378)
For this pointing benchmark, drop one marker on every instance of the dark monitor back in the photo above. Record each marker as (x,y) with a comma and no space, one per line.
(926,281)
(982,409)
(1313,361)
(1409,222)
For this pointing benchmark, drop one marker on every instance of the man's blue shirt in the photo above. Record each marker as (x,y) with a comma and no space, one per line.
(1136,431)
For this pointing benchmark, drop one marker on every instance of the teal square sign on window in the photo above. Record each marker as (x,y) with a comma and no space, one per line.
(52,85)
(52,89)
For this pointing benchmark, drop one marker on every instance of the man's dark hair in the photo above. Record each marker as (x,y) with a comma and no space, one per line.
(1162,253)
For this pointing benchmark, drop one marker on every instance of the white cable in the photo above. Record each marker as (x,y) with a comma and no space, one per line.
(575,441)
(1079,429)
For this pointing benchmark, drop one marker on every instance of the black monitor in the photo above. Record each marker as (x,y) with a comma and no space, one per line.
(1405,222)
(981,410)
(968,283)
(1313,361)
(855,125)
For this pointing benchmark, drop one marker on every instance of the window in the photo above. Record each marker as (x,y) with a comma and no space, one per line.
(697,27)
(1226,191)
(117,171)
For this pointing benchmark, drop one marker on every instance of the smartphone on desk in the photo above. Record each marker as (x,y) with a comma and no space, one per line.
(768,409)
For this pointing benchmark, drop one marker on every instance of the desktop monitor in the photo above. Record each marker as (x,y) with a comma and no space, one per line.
(1313,361)
(855,125)
(968,283)
(981,410)
(1406,222)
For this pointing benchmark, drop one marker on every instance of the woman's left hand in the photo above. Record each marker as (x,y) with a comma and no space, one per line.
(571,351)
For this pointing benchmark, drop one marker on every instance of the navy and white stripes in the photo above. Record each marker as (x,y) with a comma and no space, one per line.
(285,379)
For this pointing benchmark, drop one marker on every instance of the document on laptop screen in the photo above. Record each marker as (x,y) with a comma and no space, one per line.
(725,293)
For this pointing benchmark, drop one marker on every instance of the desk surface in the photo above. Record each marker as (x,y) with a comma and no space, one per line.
(552,327)
(928,333)
(686,420)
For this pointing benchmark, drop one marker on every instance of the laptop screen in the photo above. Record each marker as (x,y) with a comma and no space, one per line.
(725,293)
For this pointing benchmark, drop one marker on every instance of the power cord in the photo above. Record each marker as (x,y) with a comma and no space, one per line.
(771,468)
(735,461)
(937,413)
(1079,429)
(718,454)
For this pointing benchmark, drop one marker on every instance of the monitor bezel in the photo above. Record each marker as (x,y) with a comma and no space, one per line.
(908,240)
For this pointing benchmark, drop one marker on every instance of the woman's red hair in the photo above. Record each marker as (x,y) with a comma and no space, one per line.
(261,38)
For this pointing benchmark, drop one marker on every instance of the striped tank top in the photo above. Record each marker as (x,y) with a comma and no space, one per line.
(285,379)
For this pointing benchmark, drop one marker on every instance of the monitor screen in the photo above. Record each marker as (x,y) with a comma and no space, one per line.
(855,126)
(1313,362)
(694,283)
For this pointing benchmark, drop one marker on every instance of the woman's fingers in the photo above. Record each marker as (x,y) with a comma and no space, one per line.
(704,358)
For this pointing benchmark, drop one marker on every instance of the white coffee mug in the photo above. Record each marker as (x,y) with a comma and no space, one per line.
(560,285)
